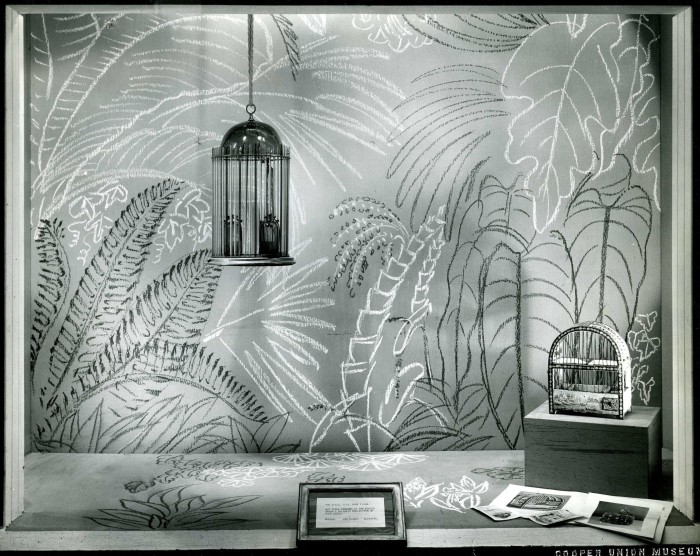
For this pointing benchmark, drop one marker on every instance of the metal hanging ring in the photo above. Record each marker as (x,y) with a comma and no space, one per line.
(250,108)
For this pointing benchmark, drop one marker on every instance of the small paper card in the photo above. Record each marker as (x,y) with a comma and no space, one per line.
(556,516)
(350,512)
(366,513)
(498,513)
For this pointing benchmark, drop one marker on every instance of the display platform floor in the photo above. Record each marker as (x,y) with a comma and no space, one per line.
(259,492)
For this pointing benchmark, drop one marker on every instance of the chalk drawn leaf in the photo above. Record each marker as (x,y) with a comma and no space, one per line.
(282,301)
(315,22)
(647,321)
(610,270)
(96,43)
(578,107)
(476,33)
(576,23)
(496,285)
(105,291)
(53,279)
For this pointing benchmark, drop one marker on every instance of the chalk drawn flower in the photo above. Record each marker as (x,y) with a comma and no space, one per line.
(377,462)
(415,486)
(465,494)
(503,473)
(418,491)
(391,30)
(304,460)
(173,508)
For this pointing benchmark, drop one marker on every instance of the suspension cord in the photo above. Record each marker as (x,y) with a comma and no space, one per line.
(251,107)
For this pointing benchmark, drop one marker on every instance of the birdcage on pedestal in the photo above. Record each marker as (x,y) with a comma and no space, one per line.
(590,372)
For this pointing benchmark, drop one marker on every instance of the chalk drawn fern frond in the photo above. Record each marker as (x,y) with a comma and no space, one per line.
(52,284)
(105,291)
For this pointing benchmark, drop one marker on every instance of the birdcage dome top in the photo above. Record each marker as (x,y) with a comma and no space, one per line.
(251,137)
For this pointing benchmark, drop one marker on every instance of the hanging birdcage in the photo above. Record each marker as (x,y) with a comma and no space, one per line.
(250,197)
(250,193)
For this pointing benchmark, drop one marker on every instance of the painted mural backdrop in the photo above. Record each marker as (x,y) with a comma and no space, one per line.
(463,188)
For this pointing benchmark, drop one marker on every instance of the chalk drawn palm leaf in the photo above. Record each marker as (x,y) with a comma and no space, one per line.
(101,127)
(442,136)
(476,33)
(155,120)
(610,270)
(53,279)
(283,302)
(355,105)
(93,44)
(105,290)
(578,108)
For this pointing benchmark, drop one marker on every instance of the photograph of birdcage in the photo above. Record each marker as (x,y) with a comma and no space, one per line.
(590,372)
(528,500)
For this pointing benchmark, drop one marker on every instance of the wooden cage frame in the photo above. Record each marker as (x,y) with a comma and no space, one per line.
(676,301)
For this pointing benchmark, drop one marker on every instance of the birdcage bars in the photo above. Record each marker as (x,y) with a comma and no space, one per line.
(590,372)
(250,197)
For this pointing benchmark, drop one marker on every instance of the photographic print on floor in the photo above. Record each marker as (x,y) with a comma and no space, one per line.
(622,515)
(538,501)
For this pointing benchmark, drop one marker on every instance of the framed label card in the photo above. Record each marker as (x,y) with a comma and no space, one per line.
(366,512)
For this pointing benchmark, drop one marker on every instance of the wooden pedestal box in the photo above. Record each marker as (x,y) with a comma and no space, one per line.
(619,457)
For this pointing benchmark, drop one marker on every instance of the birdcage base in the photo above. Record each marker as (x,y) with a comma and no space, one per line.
(587,403)
(252,261)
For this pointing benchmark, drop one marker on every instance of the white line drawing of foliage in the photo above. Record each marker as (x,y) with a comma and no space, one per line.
(173,508)
(576,23)
(88,220)
(476,33)
(315,22)
(241,474)
(643,346)
(441,137)
(358,410)
(390,29)
(583,105)
(281,361)
(144,127)
(190,217)
(457,497)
